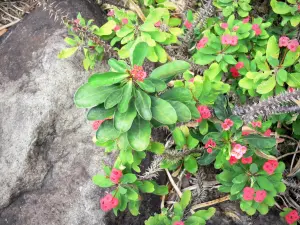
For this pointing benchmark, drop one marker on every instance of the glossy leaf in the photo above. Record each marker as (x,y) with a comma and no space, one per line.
(170,69)
(106,79)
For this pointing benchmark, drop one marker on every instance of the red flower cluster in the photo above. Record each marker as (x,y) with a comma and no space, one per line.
(210,144)
(115,175)
(250,194)
(108,202)
(256,29)
(292,217)
(268,133)
(138,73)
(188,24)
(292,45)
(247,160)
(178,223)
(233,160)
(202,43)
(229,40)
(238,151)
(227,124)
(256,124)
(204,113)
(235,70)
(96,124)
(270,166)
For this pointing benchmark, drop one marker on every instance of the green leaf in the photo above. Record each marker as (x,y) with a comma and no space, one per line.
(272,48)
(263,209)
(99,113)
(185,199)
(293,80)
(157,148)
(147,85)
(162,111)
(107,132)
(128,178)
(260,142)
(291,58)
(132,194)
(266,86)
(127,94)
(143,105)
(160,85)
(182,111)
(160,189)
(205,214)
(67,52)
(106,29)
(180,94)
(281,76)
(102,181)
(264,183)
(203,127)
(118,66)
(296,127)
(106,79)
(139,54)
(123,121)
(230,59)
(146,187)
(194,220)
(139,134)
(191,142)
(170,69)
(133,207)
(242,178)
(179,137)
(190,164)
(88,96)
(253,168)
(113,99)
(280,7)
(178,210)
(237,188)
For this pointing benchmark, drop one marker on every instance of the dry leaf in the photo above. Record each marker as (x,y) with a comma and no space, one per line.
(264,155)
(2,32)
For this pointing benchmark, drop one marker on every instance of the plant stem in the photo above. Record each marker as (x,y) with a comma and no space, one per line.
(213,202)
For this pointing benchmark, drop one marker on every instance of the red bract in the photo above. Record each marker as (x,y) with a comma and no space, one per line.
(210,143)
(247,160)
(260,195)
(188,24)
(157,24)
(115,175)
(204,112)
(248,193)
(234,72)
(111,13)
(235,28)
(138,73)
(291,90)
(292,217)
(233,160)
(97,123)
(227,124)
(178,223)
(224,25)
(246,20)
(226,39)
(234,40)
(77,21)
(256,124)
(270,166)
(283,41)
(125,21)
(293,45)
(238,151)
(108,202)
(209,150)
(245,133)
(239,65)
(202,43)
(256,29)
(117,27)
(268,133)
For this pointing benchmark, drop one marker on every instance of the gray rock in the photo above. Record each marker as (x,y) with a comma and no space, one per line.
(47,157)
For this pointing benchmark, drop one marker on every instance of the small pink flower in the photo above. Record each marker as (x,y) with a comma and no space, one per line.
(138,73)
(234,40)
(209,150)
(188,24)
(232,160)
(210,143)
(248,193)
(97,124)
(268,133)
(239,65)
(117,27)
(234,72)
(235,28)
(157,24)
(238,151)
(124,21)
(293,45)
(224,25)
(226,39)
(108,202)
(229,122)
(255,26)
(202,42)
(192,80)
(270,166)
(204,112)
(283,41)
(291,90)
(260,196)
(256,124)
(247,160)
(245,133)
(257,32)
(77,21)
(111,13)
(246,20)
(178,223)
(115,175)
(199,120)
(292,217)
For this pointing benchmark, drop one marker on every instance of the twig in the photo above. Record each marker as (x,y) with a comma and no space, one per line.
(10,24)
(294,156)
(287,154)
(173,183)
(213,202)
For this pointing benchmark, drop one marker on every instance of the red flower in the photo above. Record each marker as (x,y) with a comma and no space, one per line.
(257,32)
(96,124)
(210,143)
(283,41)
(234,40)
(238,151)
(77,21)
(246,20)
(224,25)
(235,28)
(157,24)
(292,217)
(233,160)
(188,24)
(117,27)
(234,72)
(268,133)
(138,73)
(209,150)
(293,45)
(256,29)
(227,124)
(239,65)
(226,39)
(111,13)
(291,90)
(178,223)
(202,43)
(108,202)
(124,21)
(260,195)
(270,166)
(247,160)
(199,120)
(245,133)
(248,193)
(115,175)
(256,124)
(204,112)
